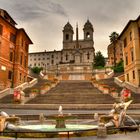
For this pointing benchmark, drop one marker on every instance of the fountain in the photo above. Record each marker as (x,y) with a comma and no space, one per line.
(117,118)
(60,119)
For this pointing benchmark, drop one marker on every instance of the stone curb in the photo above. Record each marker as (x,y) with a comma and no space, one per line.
(65,106)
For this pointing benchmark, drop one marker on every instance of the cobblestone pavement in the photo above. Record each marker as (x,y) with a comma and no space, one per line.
(128,136)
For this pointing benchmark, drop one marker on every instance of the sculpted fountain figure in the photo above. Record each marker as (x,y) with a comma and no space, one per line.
(117,115)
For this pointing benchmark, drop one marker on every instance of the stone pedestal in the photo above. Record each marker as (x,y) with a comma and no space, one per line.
(102,131)
(42,118)
(2,123)
(60,122)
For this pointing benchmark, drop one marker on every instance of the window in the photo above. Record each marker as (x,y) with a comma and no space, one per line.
(12,37)
(35,59)
(130,36)
(25,62)
(38,64)
(52,62)
(43,58)
(127,77)
(34,64)
(52,56)
(66,57)
(21,59)
(126,59)
(38,58)
(132,55)
(22,42)
(67,36)
(125,42)
(24,78)
(31,59)
(87,35)
(9,75)
(88,56)
(1,29)
(133,72)
(11,56)
(20,77)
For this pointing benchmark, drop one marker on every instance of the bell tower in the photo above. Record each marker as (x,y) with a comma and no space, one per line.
(88,31)
(68,33)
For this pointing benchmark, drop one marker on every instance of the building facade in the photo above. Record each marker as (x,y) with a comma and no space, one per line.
(130,38)
(114,52)
(14,45)
(75,54)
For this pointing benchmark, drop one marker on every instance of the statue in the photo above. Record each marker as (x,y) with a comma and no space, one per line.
(117,115)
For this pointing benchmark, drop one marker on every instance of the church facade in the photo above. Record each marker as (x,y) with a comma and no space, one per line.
(76,55)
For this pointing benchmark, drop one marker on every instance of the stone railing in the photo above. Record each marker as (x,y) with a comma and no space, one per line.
(110,74)
(132,87)
(24,86)
(33,82)
(118,82)
(4,92)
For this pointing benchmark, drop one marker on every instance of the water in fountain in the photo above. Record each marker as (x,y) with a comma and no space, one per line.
(60,111)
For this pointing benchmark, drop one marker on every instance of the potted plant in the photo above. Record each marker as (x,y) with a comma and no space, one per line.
(105,89)
(47,86)
(34,92)
(114,92)
(53,84)
(55,80)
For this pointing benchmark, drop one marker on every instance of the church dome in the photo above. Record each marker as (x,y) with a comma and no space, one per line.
(88,25)
(68,26)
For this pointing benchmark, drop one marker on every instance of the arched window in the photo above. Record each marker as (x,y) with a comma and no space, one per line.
(87,35)
(67,36)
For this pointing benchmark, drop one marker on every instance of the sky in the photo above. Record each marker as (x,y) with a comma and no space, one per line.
(43,20)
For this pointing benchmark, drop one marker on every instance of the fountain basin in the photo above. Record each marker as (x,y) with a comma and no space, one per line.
(52,128)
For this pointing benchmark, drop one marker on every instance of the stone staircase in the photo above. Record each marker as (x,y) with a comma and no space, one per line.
(110,82)
(73,92)
(8,99)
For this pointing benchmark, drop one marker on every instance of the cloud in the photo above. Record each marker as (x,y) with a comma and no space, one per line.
(45,19)
(35,9)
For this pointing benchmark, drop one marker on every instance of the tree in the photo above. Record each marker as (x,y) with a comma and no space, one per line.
(119,67)
(36,69)
(113,39)
(99,60)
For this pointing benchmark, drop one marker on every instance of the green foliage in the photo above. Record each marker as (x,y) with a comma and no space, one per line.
(35,90)
(98,67)
(119,67)
(99,60)
(36,70)
(113,37)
